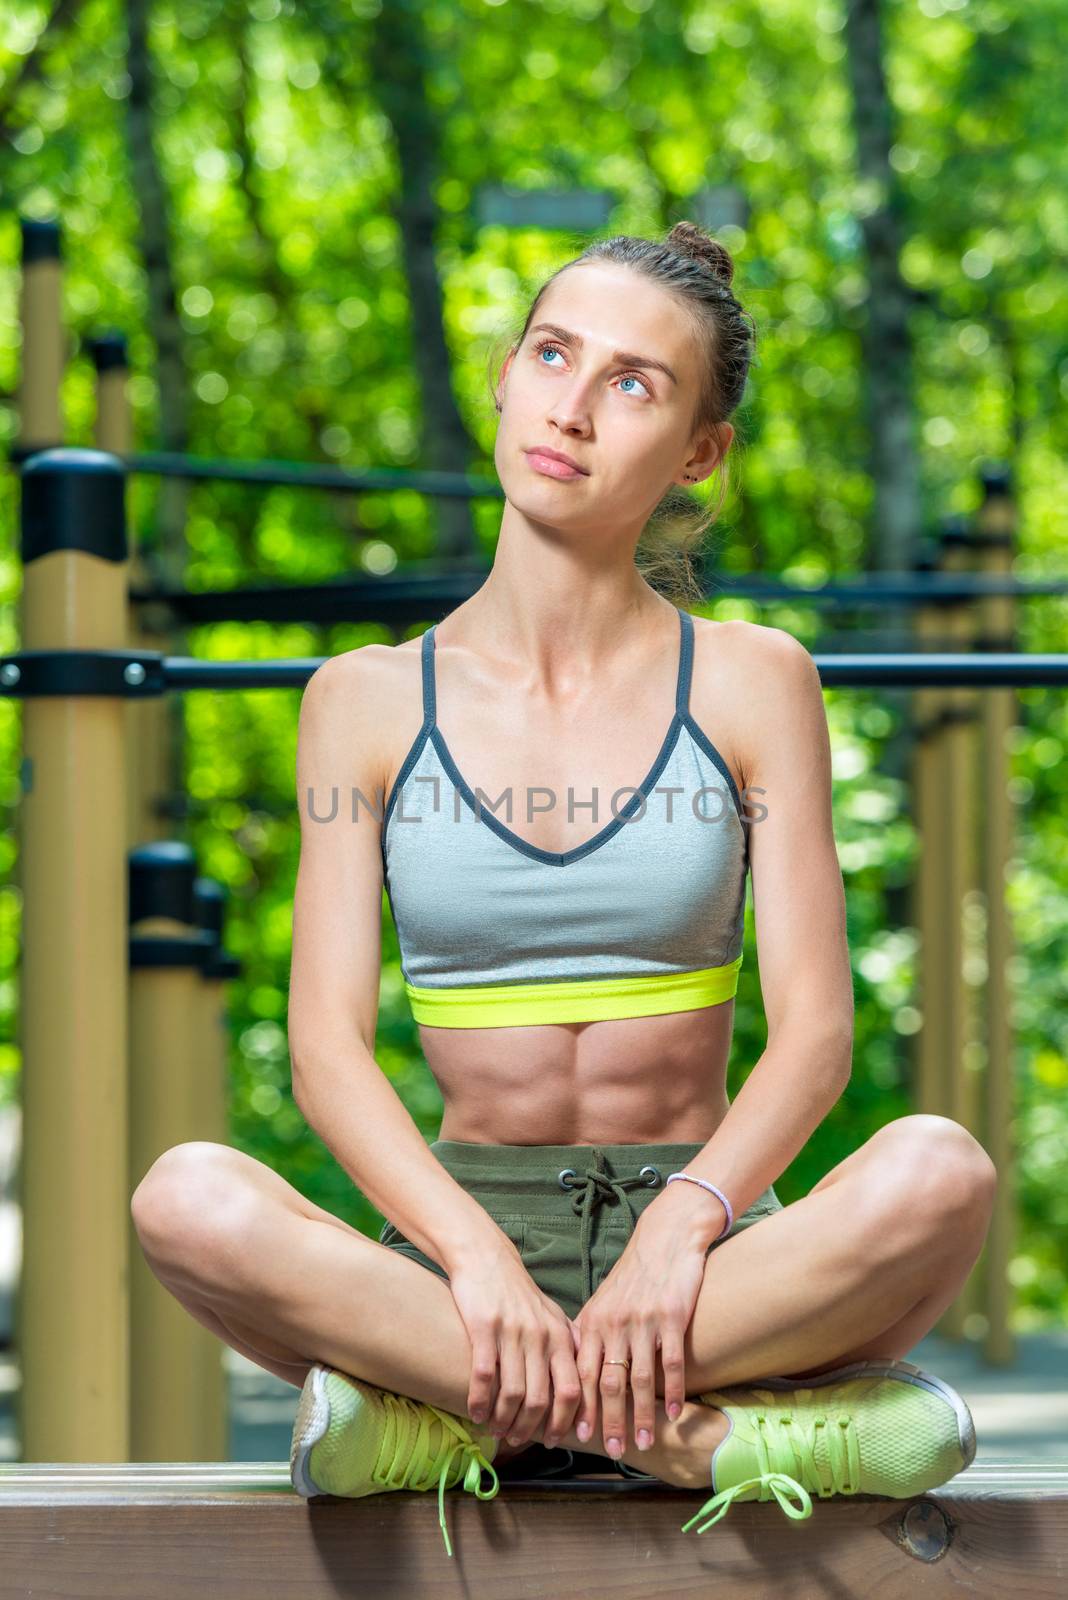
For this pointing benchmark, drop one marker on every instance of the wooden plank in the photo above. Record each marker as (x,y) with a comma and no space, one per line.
(163,1530)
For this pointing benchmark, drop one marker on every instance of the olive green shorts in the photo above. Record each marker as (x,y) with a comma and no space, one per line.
(568,1208)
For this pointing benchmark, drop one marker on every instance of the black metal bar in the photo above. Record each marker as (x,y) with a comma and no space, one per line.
(919,670)
(188,672)
(409,596)
(301,475)
(400,598)
(142,674)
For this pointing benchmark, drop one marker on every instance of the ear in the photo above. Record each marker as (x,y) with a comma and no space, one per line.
(709,451)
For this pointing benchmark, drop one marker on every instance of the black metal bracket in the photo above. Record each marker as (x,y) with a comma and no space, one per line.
(122,674)
(192,949)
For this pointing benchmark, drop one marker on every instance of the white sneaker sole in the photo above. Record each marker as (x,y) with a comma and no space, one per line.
(312,1419)
(906,1372)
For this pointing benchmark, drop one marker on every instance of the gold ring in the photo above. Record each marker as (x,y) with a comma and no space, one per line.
(615,1363)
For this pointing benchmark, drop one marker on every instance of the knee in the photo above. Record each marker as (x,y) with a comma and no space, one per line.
(189,1204)
(931,1173)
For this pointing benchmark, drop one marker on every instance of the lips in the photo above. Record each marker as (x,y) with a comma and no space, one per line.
(557,455)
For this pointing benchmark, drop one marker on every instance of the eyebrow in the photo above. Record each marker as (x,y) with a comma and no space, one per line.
(628,359)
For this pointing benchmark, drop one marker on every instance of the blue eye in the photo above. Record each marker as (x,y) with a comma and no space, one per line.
(546,347)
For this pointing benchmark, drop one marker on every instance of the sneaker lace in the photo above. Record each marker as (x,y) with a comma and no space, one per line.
(421,1467)
(786,1451)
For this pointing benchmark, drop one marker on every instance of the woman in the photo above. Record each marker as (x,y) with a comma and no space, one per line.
(592,1254)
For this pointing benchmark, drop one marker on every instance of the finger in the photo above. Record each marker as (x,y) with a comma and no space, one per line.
(589,1371)
(513,1384)
(535,1402)
(481,1389)
(673,1361)
(567,1392)
(643,1385)
(614,1387)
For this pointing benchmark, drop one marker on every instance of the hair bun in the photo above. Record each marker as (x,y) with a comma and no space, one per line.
(687,239)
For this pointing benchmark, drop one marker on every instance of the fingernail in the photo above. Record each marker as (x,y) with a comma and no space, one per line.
(614,1447)
(645,1438)
(583,1431)
(549,1442)
(674,1410)
(478,1416)
(513,1438)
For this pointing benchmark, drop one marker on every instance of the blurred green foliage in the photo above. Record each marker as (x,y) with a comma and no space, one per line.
(280,168)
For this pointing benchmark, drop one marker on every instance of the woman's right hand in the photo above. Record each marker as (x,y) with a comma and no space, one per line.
(523,1347)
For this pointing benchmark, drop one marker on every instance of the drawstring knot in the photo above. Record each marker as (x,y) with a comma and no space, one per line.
(593,1188)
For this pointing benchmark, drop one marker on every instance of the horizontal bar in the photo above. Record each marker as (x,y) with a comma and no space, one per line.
(295,474)
(143,674)
(410,596)
(919,670)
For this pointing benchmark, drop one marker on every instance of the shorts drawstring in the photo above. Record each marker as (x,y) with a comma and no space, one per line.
(593,1188)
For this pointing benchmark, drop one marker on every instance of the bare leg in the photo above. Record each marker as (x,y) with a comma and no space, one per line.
(862,1267)
(287,1284)
(864,1264)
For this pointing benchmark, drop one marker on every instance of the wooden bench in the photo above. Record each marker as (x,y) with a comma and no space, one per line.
(237,1531)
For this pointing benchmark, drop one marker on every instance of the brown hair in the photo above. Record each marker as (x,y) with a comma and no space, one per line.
(699,270)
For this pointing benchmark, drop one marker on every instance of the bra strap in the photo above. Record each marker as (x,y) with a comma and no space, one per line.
(682,692)
(430,709)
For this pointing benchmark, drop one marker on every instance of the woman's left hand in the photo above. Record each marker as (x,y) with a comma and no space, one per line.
(644,1305)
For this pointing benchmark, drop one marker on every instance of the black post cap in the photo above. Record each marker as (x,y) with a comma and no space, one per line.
(162,875)
(73,499)
(108,351)
(209,905)
(40,240)
(955,530)
(996,478)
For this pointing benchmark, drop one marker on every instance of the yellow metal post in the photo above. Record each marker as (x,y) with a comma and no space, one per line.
(212,1088)
(178,1400)
(149,781)
(996,540)
(931,1043)
(43,338)
(177,1374)
(72,1306)
(960,876)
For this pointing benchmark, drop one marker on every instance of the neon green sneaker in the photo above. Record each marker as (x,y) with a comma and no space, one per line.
(351,1438)
(875,1427)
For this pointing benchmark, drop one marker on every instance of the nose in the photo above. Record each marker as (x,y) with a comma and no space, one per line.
(571,410)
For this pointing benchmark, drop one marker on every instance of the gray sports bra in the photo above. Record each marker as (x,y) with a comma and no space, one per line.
(645,917)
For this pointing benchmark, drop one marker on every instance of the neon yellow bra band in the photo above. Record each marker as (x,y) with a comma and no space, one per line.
(517,1005)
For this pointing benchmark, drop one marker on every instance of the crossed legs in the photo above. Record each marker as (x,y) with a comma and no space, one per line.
(861,1267)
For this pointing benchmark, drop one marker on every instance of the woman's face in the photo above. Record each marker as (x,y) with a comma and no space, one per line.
(581,386)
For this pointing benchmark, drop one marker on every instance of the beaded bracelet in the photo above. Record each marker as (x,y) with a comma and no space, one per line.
(729,1223)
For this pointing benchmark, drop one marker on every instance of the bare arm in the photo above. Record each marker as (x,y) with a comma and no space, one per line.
(805,974)
(336,970)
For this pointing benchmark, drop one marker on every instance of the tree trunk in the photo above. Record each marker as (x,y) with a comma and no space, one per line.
(399,61)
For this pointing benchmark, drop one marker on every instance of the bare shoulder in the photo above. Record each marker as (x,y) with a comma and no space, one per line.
(754,681)
(355,702)
(753,648)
